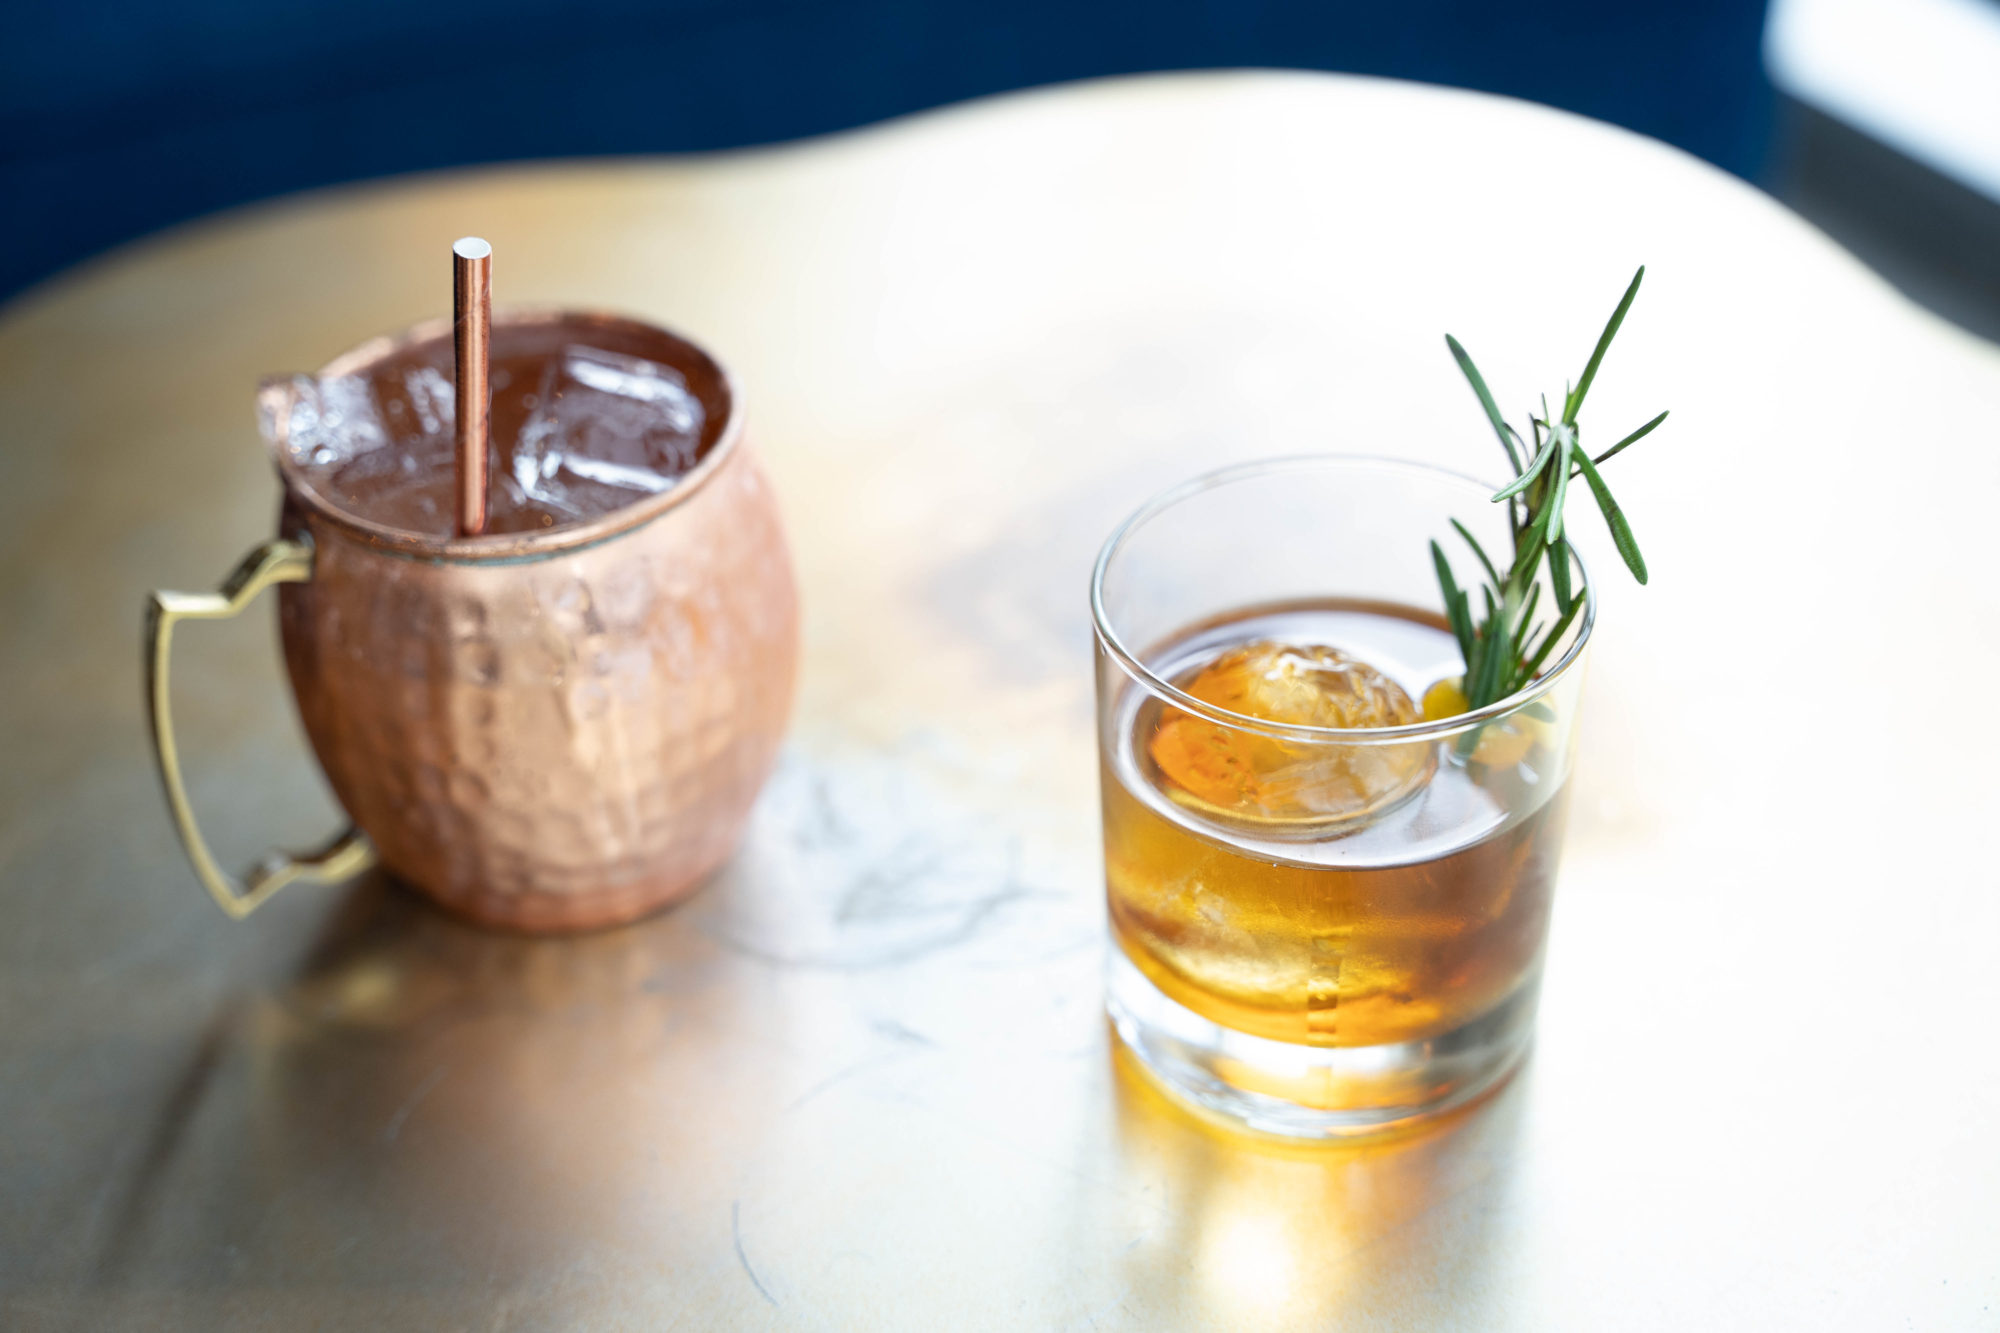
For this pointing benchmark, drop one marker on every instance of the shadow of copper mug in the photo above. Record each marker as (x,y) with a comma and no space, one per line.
(555,729)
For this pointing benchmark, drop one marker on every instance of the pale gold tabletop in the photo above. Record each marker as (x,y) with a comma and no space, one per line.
(863,1081)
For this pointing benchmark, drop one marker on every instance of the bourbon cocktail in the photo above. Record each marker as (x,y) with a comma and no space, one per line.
(1329,908)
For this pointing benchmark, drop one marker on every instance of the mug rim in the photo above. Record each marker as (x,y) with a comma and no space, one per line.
(1132,663)
(511,546)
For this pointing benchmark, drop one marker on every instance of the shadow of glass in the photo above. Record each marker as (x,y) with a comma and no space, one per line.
(1257,1232)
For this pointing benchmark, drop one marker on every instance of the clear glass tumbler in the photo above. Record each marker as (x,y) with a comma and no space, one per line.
(1321,930)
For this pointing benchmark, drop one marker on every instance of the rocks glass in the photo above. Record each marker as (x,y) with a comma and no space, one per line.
(1334,923)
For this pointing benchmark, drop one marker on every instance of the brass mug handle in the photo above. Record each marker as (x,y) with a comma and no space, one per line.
(278,561)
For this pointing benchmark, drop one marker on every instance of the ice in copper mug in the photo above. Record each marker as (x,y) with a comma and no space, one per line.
(560,723)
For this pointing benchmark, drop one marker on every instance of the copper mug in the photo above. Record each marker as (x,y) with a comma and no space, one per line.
(549,730)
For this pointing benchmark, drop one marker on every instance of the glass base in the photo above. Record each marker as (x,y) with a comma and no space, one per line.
(1313,1092)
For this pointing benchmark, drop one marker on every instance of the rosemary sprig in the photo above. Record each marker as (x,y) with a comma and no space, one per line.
(1502,650)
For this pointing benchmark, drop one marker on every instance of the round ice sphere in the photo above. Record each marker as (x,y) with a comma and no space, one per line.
(1301,786)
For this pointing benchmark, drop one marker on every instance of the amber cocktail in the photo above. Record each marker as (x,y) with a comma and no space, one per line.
(1329,909)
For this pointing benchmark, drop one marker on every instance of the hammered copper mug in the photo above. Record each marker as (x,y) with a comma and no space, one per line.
(555,729)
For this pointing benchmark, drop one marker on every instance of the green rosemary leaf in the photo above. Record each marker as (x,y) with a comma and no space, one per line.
(1454,603)
(1503,648)
(1494,685)
(1473,637)
(1462,616)
(1471,373)
(1565,446)
(1528,547)
(1614,518)
(1479,551)
(1561,627)
(1484,678)
(1528,655)
(1575,399)
(1510,677)
(1443,566)
(1559,574)
(1527,619)
(1521,483)
(1633,438)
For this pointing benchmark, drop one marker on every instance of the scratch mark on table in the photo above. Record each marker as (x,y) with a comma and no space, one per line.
(736,1237)
(975,916)
(395,1125)
(880,1060)
(831,1080)
(890,1028)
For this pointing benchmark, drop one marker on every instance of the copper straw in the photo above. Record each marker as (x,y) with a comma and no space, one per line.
(472,337)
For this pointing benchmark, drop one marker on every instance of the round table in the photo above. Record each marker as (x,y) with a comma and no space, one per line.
(864,1081)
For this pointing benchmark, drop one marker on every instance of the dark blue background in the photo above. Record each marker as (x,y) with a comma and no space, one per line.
(121,117)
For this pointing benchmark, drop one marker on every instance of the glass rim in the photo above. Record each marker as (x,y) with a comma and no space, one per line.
(1415,731)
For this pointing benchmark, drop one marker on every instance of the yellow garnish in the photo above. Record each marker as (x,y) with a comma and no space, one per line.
(1445,699)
